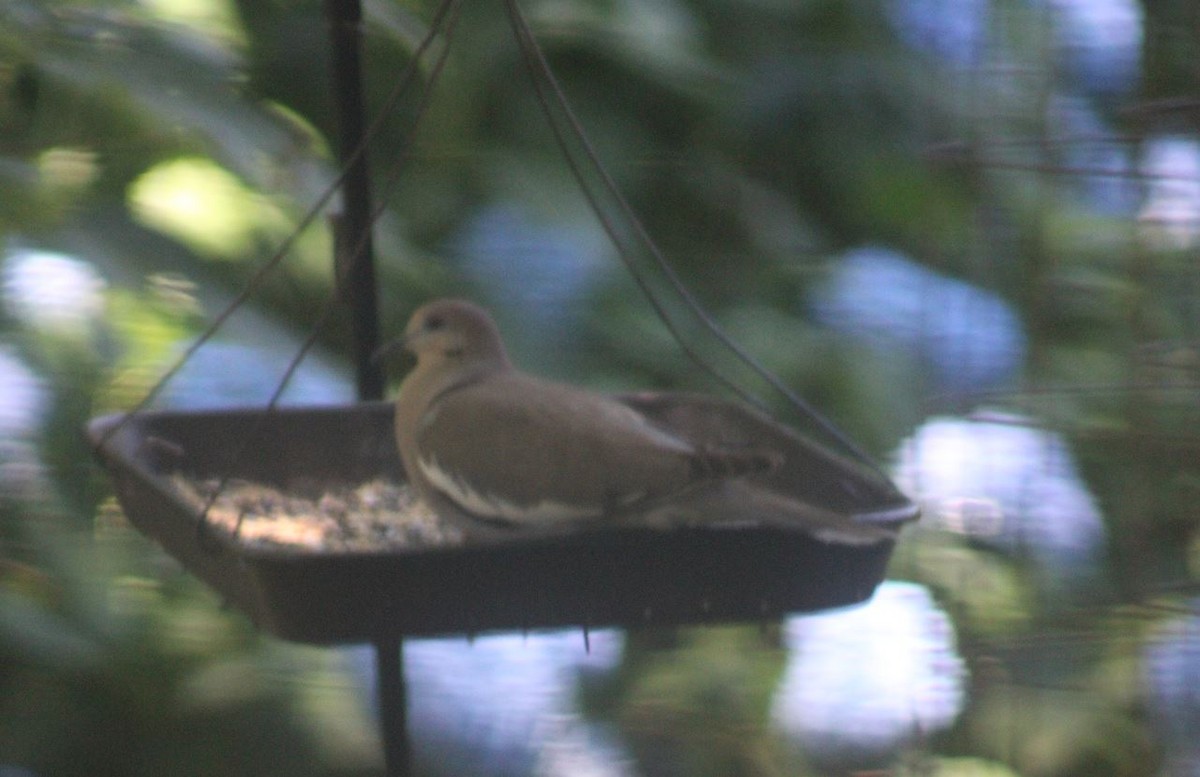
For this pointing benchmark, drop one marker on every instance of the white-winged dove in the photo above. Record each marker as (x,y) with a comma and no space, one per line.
(478,437)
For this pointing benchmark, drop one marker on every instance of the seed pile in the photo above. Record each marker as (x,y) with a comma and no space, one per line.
(376,515)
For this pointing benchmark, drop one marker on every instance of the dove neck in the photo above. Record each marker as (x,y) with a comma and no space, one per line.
(449,375)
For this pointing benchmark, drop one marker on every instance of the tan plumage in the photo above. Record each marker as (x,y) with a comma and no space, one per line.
(478,437)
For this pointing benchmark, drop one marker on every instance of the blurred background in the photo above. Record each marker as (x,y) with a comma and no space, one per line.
(966,230)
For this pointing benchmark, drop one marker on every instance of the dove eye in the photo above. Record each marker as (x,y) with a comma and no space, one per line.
(434,323)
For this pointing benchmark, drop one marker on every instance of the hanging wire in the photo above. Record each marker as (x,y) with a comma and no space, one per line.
(306,221)
(551,97)
(447,16)
(443,26)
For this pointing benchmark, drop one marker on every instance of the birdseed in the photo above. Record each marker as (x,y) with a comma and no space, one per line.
(371,516)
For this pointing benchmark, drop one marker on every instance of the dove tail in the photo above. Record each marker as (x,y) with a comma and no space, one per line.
(716,464)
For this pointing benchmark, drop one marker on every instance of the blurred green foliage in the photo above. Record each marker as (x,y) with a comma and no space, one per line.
(174,145)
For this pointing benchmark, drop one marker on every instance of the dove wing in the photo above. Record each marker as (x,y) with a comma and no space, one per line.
(520,449)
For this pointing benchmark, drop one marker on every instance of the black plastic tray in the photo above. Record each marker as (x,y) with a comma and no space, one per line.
(739,555)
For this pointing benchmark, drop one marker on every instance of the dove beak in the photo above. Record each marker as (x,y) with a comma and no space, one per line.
(404,342)
(385,351)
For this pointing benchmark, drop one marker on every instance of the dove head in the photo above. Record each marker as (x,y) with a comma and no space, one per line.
(454,333)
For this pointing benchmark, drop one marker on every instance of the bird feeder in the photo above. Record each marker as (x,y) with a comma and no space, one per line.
(816,533)
(750,549)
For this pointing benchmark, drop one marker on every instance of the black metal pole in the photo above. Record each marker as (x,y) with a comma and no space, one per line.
(354,260)
(393,706)
(354,271)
